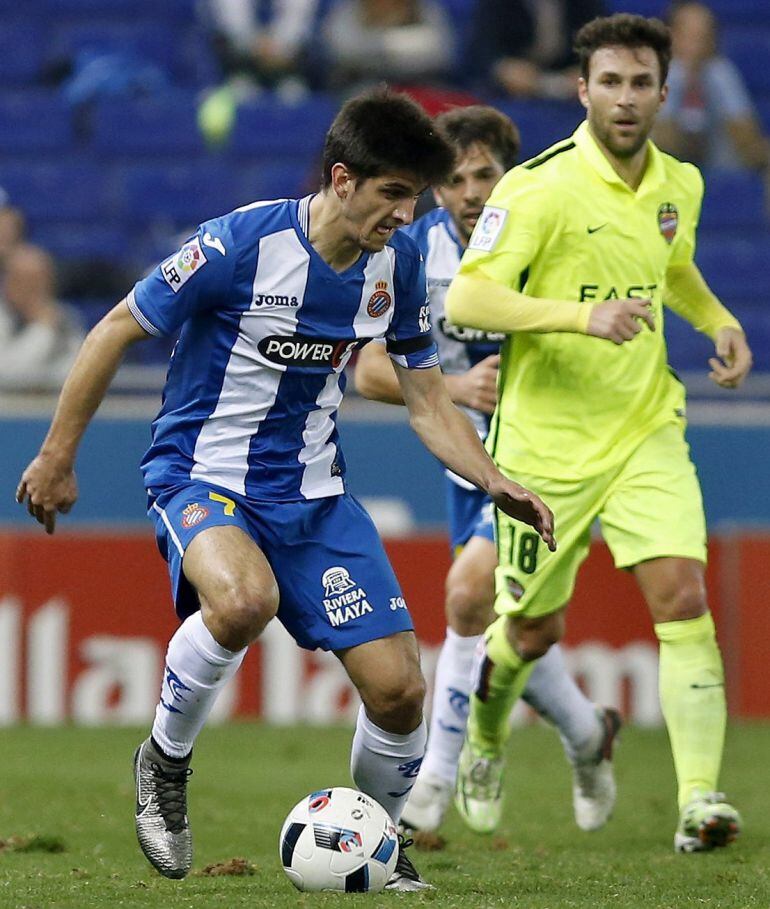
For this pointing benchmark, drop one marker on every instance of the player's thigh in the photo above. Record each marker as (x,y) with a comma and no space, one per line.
(654,508)
(337,587)
(531,581)
(212,550)
(470,584)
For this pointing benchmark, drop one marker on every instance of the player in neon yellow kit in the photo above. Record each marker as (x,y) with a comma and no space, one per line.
(576,248)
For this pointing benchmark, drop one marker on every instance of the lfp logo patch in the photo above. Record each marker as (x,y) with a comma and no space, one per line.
(183,264)
(488,228)
(380,300)
(668,221)
(193,514)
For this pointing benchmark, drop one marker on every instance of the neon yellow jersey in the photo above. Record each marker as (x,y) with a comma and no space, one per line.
(564,226)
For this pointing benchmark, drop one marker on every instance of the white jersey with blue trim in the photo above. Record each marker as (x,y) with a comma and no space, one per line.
(267,327)
(459,348)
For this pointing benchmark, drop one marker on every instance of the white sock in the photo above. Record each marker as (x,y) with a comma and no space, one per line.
(197,668)
(557,697)
(449,711)
(384,764)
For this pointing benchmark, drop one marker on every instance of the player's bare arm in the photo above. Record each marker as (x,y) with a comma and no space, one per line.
(376,379)
(452,438)
(690,297)
(475,301)
(48,485)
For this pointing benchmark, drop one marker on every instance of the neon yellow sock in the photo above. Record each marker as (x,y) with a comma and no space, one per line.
(503,677)
(692,696)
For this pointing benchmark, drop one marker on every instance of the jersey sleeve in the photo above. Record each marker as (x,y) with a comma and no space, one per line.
(409,340)
(198,276)
(511,229)
(683,246)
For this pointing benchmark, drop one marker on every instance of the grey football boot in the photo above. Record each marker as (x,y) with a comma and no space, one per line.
(161,810)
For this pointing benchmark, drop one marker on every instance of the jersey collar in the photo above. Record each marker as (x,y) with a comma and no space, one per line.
(653,177)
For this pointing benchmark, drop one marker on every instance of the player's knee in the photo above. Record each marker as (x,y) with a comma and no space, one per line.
(396,704)
(686,601)
(242,610)
(468,605)
(532,641)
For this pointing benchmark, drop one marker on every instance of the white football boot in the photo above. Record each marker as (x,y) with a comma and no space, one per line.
(593,777)
(428,803)
(706,822)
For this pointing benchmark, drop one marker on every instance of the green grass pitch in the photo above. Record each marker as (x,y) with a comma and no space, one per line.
(72,788)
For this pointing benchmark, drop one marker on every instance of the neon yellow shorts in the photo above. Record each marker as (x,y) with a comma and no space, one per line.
(650,506)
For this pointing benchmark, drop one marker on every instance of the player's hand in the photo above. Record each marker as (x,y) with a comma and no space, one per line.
(620,320)
(525,506)
(733,360)
(47,486)
(477,388)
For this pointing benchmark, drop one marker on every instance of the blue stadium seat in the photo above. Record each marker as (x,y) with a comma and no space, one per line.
(736,266)
(687,348)
(749,49)
(278,180)
(34,121)
(160,126)
(143,38)
(66,191)
(178,194)
(270,128)
(21,52)
(93,240)
(541,123)
(733,199)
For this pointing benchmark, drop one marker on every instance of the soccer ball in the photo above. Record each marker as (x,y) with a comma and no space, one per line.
(339,839)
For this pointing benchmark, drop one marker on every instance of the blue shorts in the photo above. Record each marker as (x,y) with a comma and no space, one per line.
(470,513)
(337,588)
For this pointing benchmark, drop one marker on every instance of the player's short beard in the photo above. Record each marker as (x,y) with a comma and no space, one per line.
(625,151)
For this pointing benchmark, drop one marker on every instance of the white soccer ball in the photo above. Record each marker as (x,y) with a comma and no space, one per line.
(338,839)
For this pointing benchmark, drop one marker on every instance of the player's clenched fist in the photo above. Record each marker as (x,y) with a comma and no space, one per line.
(48,486)
(525,506)
(620,320)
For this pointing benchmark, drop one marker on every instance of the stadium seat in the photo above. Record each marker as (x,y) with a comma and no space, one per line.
(541,123)
(181,194)
(93,240)
(278,180)
(736,266)
(749,49)
(71,190)
(733,199)
(159,126)
(18,68)
(269,128)
(32,121)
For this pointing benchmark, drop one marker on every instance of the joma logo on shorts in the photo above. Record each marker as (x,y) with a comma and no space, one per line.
(302,351)
(275,300)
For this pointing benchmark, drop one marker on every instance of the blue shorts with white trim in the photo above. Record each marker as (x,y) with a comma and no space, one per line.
(337,588)
(470,513)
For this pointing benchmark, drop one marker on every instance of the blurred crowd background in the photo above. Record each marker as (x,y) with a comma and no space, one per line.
(124,123)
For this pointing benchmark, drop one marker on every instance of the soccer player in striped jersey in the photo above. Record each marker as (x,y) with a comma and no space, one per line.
(576,253)
(245,476)
(486,144)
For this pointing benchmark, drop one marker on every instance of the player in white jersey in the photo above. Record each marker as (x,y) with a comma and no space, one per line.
(486,144)
(245,476)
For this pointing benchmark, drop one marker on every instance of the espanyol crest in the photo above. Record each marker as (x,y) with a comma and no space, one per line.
(668,220)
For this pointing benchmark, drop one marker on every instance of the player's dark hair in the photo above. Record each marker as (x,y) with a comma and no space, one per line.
(624,30)
(463,126)
(380,132)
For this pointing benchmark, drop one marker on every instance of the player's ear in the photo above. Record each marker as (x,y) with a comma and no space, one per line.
(341,180)
(583,92)
(664,94)
(437,197)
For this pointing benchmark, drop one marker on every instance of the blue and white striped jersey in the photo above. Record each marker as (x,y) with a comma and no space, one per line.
(458,348)
(267,327)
